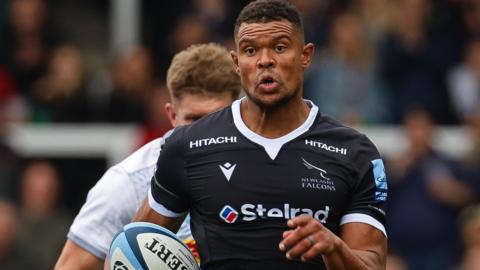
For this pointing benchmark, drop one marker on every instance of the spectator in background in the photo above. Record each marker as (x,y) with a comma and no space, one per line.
(27,42)
(132,83)
(42,226)
(215,13)
(464,83)
(157,122)
(190,29)
(470,232)
(415,58)
(11,258)
(376,17)
(8,86)
(471,17)
(425,199)
(345,83)
(8,158)
(59,96)
(471,161)
(3,17)
(315,19)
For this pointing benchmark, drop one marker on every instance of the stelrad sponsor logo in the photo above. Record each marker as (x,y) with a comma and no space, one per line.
(228,214)
(250,212)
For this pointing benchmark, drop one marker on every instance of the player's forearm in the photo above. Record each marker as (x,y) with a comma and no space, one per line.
(75,257)
(79,265)
(343,257)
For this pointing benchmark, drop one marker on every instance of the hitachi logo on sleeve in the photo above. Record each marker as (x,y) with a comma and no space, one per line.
(330,148)
(209,141)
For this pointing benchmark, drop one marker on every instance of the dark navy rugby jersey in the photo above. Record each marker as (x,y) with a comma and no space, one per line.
(241,188)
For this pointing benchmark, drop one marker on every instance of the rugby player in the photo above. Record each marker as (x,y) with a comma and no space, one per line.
(270,182)
(201,80)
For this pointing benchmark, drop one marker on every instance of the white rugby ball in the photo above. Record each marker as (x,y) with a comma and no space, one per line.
(147,246)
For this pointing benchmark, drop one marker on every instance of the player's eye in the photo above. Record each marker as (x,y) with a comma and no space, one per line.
(280,48)
(249,51)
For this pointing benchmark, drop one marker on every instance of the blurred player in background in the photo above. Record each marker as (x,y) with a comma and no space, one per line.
(201,80)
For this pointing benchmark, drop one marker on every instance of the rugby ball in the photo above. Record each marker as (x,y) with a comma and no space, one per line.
(147,246)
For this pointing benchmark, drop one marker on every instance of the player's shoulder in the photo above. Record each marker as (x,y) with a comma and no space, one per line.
(332,135)
(145,157)
(338,129)
(335,129)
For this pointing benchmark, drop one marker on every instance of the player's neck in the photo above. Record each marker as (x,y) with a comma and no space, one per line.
(274,123)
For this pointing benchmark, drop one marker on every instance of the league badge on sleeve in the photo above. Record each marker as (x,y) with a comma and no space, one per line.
(380,180)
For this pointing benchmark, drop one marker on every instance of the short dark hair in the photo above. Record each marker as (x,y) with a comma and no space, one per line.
(264,11)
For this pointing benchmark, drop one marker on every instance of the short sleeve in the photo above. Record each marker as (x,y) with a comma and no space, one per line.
(369,198)
(104,212)
(167,194)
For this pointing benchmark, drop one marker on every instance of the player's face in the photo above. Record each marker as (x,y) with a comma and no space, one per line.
(271,59)
(193,107)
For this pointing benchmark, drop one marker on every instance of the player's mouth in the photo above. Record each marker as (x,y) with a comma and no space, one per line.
(268,83)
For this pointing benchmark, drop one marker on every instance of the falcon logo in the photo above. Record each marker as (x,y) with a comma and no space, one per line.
(310,167)
(227,170)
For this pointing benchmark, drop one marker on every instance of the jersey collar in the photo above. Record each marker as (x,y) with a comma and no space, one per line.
(272,146)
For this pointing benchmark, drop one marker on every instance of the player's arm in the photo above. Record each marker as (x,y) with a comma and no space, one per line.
(147,214)
(362,241)
(103,214)
(75,257)
(166,203)
(359,246)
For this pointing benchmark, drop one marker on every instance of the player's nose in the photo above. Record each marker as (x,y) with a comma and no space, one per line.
(266,59)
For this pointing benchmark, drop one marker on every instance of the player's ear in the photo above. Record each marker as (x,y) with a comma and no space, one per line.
(171,114)
(307,55)
(234,55)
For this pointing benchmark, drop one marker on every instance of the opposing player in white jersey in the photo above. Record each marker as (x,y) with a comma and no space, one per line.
(201,79)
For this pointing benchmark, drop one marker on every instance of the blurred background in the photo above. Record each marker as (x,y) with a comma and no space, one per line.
(82,85)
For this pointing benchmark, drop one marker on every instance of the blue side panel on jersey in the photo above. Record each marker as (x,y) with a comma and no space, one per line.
(124,245)
(380,180)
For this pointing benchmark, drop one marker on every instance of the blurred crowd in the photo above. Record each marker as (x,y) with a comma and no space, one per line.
(375,60)
(414,63)
(33,224)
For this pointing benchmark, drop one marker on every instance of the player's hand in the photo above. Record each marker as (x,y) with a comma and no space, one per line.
(307,239)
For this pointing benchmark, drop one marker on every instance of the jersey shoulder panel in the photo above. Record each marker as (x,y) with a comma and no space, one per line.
(354,147)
